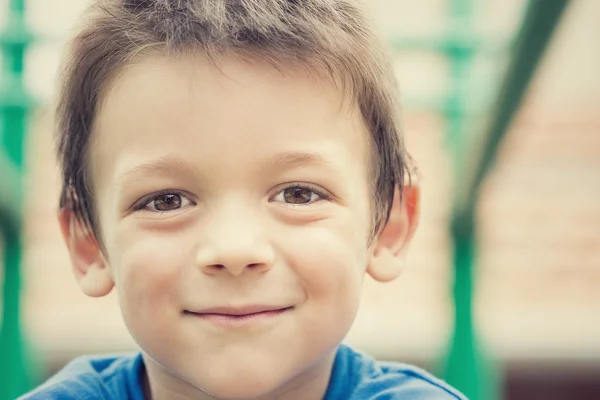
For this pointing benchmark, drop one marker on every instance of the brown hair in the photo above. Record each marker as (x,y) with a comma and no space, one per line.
(324,35)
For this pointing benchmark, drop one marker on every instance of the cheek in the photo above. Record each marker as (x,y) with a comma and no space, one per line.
(148,268)
(329,259)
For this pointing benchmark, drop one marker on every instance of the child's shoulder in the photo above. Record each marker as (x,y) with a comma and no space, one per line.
(94,377)
(358,376)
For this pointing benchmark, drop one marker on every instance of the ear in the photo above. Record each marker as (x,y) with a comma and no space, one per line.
(89,264)
(391,246)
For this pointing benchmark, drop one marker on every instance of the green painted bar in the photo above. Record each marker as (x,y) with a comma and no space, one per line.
(452,41)
(18,6)
(541,18)
(467,367)
(15,367)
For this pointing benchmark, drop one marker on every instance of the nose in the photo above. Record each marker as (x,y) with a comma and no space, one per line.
(235,242)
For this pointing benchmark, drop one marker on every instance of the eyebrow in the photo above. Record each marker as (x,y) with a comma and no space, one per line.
(174,164)
(290,159)
(164,165)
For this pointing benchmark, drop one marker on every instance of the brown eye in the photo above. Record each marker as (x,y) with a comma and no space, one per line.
(167,202)
(298,195)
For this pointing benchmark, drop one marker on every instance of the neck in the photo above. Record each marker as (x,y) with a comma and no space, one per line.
(311,384)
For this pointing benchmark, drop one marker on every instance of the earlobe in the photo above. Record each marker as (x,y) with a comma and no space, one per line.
(89,264)
(384,265)
(391,246)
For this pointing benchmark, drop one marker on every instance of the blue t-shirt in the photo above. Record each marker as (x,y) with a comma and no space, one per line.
(355,376)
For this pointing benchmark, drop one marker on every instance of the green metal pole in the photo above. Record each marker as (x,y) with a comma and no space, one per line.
(539,23)
(14,110)
(465,365)
(14,369)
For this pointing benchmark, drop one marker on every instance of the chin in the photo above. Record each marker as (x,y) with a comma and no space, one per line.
(241,381)
(239,388)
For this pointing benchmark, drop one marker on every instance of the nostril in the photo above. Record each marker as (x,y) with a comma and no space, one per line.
(218,269)
(211,269)
(260,267)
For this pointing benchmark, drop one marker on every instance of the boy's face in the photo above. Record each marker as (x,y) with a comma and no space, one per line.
(234,208)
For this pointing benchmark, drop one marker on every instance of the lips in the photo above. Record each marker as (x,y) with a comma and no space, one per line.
(243,311)
(246,317)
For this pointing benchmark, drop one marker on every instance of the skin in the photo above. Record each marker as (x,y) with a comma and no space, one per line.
(268,203)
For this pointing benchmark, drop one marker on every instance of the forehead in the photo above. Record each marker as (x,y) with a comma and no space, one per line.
(240,110)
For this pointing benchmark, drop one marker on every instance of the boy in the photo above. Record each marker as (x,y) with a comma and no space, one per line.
(233,168)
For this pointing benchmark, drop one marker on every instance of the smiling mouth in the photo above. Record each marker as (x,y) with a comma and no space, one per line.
(236,317)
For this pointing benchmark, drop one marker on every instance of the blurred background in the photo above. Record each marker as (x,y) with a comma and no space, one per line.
(501,296)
